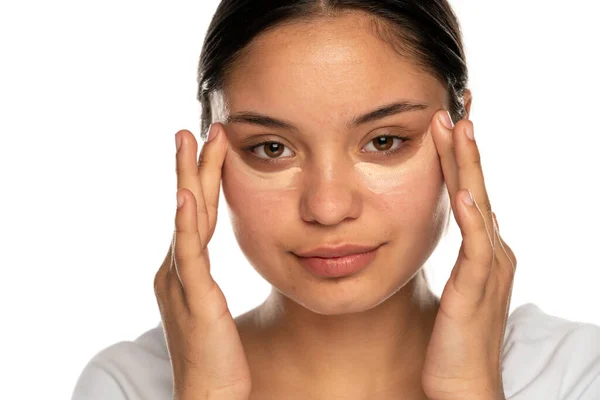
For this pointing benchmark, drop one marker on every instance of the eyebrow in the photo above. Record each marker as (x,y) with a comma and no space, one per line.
(387,110)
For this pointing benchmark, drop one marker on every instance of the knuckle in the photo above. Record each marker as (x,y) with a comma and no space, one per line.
(482,272)
(158,285)
(486,207)
(201,209)
(210,290)
(485,256)
(178,260)
(183,263)
(202,161)
(179,168)
(476,160)
(159,280)
(162,273)
(482,254)
(507,261)
(186,247)
(470,162)
(199,300)
(513,260)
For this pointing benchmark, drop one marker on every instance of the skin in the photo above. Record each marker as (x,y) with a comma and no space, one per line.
(379,333)
(372,326)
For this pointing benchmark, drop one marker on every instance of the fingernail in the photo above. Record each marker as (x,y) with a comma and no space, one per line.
(212,132)
(446,120)
(179,200)
(177,142)
(469,132)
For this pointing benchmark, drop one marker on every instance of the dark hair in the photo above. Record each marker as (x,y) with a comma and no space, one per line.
(426,30)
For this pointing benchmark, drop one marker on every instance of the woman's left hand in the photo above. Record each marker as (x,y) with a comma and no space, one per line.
(463,359)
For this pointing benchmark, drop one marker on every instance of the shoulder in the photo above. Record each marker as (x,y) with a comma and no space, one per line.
(549,357)
(128,370)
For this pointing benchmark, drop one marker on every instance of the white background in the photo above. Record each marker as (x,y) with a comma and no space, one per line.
(91,94)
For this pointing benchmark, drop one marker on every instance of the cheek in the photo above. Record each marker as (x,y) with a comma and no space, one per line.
(414,194)
(257,201)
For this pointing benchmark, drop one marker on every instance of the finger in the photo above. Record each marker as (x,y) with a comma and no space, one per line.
(174,282)
(210,165)
(187,177)
(475,260)
(507,262)
(497,227)
(168,290)
(470,174)
(189,253)
(504,254)
(444,144)
(160,278)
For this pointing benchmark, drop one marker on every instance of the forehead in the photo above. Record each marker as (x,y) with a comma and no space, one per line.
(326,70)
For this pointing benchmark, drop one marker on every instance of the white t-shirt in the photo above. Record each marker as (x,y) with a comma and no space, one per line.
(545,358)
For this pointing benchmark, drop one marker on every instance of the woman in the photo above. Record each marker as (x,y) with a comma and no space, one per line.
(330,125)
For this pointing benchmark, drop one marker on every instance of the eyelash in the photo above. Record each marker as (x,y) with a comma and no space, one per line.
(384,153)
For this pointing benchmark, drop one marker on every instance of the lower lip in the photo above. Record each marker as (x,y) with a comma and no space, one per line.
(339,266)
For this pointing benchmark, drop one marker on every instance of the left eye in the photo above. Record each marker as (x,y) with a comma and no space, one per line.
(384,143)
(269,150)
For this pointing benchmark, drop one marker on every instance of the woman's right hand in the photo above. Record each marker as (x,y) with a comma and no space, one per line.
(206,353)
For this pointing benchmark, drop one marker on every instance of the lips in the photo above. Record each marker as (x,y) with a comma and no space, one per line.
(337,251)
(337,261)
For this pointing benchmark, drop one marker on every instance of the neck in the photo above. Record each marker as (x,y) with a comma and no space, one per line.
(374,351)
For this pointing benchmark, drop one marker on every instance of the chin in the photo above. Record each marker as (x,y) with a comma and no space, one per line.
(337,296)
(340,302)
(350,305)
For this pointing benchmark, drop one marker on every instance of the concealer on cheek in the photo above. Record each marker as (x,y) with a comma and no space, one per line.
(387,178)
(380,178)
(286,179)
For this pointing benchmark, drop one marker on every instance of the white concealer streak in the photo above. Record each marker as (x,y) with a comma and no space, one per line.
(380,178)
(387,178)
(267,181)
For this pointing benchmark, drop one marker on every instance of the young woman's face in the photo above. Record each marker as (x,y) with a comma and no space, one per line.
(328,181)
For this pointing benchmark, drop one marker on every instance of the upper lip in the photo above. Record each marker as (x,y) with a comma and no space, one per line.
(337,251)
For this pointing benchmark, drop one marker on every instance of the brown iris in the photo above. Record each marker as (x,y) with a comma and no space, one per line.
(273,149)
(383,142)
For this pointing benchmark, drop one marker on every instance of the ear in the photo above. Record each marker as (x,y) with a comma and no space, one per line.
(468,97)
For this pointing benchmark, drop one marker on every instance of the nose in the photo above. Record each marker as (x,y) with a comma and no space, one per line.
(330,194)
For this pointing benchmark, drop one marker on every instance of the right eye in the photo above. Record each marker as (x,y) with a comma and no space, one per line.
(272,150)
